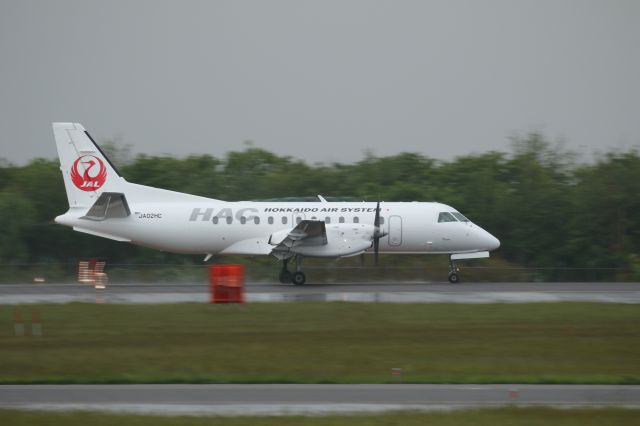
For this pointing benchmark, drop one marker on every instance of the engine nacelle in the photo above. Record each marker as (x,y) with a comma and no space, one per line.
(343,240)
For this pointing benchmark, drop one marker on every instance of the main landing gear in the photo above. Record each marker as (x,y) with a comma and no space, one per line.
(297,277)
(453,272)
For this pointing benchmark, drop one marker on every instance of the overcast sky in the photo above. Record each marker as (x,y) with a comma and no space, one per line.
(320,80)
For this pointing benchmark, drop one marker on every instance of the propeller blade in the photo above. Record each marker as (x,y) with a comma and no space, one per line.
(376,233)
(376,244)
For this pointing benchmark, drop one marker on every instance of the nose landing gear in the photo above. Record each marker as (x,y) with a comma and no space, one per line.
(453,272)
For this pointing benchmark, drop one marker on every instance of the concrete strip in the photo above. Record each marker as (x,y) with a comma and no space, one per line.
(306,399)
(374,292)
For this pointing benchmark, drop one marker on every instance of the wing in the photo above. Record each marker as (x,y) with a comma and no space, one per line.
(307,233)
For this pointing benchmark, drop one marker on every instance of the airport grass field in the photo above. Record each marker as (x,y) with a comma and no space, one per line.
(482,417)
(323,343)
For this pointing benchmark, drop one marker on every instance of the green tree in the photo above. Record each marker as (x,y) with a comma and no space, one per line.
(605,224)
(537,207)
(16,215)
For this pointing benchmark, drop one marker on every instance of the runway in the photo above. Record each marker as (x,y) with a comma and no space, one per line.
(306,399)
(399,292)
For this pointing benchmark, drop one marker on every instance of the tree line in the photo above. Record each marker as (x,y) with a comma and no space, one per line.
(547,208)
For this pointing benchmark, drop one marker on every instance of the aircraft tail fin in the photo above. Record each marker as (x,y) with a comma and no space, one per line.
(86,170)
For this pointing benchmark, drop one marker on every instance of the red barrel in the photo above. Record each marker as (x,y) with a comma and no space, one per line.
(226,283)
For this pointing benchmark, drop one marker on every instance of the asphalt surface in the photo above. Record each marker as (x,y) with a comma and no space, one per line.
(399,292)
(306,399)
(54,288)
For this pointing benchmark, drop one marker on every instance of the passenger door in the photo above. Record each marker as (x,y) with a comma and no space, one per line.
(395,231)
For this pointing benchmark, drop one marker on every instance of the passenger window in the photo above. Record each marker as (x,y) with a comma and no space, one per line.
(284,220)
(229,220)
(446,217)
(356,219)
(341,220)
(243,220)
(256,220)
(270,220)
(381,220)
(214,220)
(298,220)
(327,219)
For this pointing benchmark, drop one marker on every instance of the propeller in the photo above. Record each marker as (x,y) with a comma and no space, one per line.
(377,233)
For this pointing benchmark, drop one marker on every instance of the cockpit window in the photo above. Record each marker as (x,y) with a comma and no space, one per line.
(446,217)
(460,217)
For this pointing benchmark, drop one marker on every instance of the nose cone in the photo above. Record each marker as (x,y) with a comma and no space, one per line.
(482,240)
(492,242)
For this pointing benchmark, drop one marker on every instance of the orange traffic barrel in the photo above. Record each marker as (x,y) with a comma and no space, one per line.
(226,283)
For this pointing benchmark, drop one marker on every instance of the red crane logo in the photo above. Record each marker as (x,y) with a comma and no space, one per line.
(88,177)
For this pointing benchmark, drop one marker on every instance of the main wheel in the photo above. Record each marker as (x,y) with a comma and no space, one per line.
(285,277)
(298,278)
(454,278)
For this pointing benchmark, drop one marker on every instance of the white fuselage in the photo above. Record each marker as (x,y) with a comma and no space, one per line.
(246,228)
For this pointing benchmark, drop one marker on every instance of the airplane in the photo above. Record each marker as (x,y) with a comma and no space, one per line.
(102,203)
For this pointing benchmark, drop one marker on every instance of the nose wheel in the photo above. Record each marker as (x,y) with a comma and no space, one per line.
(454,278)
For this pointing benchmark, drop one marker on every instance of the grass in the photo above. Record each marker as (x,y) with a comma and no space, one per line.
(482,417)
(324,343)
